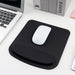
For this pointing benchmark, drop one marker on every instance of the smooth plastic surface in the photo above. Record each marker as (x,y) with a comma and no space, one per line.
(41,34)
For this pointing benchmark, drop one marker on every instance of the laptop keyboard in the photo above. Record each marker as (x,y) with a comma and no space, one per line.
(6,18)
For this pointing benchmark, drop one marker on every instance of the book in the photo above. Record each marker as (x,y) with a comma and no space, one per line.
(59,6)
(44,5)
(37,4)
(41,5)
(53,6)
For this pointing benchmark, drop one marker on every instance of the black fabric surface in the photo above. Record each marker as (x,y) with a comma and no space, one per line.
(46,56)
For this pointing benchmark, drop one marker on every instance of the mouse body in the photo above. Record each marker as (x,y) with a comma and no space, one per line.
(41,34)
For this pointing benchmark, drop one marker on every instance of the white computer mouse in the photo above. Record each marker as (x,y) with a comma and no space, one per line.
(41,34)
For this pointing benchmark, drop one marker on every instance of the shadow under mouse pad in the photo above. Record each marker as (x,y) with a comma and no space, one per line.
(46,56)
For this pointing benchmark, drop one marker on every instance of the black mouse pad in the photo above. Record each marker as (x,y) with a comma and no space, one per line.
(46,56)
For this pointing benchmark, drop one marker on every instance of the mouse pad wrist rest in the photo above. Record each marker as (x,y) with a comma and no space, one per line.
(46,56)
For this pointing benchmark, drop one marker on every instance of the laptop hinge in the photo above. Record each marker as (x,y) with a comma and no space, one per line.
(10,9)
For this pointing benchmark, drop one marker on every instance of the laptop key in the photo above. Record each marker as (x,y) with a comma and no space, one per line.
(0,20)
(5,22)
(6,17)
(2,25)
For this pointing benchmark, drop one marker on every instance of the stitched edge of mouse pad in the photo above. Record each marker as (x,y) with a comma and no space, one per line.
(55,55)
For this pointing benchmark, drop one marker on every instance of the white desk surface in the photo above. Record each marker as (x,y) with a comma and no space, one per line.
(11,66)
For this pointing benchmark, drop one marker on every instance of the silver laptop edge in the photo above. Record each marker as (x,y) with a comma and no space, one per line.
(12,7)
(5,28)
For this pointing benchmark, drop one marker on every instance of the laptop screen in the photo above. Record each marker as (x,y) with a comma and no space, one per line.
(15,3)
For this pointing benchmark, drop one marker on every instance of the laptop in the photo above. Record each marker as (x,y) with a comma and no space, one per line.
(10,12)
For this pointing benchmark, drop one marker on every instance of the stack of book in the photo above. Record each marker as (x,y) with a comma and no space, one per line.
(54,6)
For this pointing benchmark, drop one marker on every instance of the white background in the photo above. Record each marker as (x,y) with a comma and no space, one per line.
(11,66)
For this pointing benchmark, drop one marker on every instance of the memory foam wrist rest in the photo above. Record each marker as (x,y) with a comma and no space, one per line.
(34,56)
(46,56)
